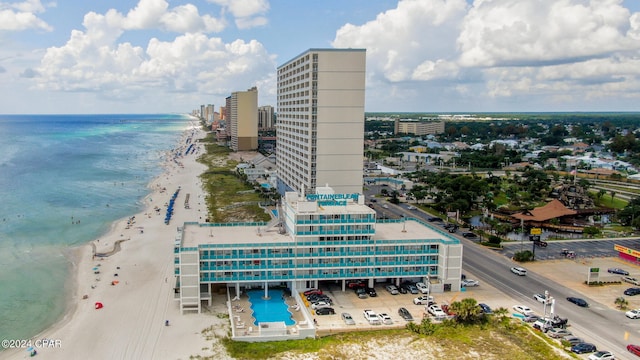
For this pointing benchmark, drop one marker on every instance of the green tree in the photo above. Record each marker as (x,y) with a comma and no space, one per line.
(621,303)
(467,311)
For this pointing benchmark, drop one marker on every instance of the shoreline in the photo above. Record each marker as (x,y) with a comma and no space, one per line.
(135,284)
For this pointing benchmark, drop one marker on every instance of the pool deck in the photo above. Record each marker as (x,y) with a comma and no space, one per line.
(242,319)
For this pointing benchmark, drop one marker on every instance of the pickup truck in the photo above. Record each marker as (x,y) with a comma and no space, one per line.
(424,300)
(372,317)
(436,311)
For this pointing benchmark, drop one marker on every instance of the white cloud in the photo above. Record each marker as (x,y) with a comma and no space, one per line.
(23,17)
(517,32)
(94,61)
(247,13)
(407,42)
(501,48)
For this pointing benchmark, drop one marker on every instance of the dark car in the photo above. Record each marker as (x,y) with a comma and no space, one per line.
(578,301)
(634,349)
(402,290)
(583,348)
(405,314)
(361,292)
(618,271)
(632,291)
(433,218)
(372,292)
(469,235)
(485,308)
(325,311)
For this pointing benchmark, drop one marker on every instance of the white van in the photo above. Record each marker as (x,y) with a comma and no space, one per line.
(518,271)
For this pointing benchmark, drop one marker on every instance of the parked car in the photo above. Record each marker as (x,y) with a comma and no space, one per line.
(572,340)
(632,291)
(372,292)
(405,314)
(631,280)
(385,318)
(320,304)
(601,355)
(372,317)
(518,271)
(424,300)
(422,287)
(436,311)
(583,348)
(392,289)
(633,314)
(485,308)
(529,318)
(325,311)
(634,349)
(410,288)
(348,319)
(618,271)
(541,298)
(469,283)
(312,291)
(402,290)
(523,309)
(469,235)
(578,301)
(557,333)
(361,292)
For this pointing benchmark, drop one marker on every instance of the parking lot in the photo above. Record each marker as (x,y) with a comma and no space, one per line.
(384,302)
(571,273)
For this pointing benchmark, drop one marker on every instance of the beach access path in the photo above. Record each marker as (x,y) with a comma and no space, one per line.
(134,281)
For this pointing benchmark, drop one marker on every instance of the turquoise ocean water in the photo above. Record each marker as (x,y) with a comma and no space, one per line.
(64,180)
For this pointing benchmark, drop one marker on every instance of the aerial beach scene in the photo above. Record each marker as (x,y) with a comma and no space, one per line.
(252,179)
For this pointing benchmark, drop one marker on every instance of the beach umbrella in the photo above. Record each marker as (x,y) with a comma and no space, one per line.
(95,268)
(99,305)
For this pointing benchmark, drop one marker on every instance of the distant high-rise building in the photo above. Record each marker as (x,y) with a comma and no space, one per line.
(419,127)
(243,120)
(320,121)
(265,117)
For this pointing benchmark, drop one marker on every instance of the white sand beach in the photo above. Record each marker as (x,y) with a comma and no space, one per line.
(131,325)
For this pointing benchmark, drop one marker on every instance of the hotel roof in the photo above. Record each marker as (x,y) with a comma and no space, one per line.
(205,233)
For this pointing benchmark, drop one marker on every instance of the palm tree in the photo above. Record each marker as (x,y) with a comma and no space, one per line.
(621,303)
(467,310)
(613,194)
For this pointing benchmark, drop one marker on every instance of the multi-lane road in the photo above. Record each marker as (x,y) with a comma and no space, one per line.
(606,328)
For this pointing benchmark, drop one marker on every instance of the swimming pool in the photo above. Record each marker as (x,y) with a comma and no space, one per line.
(272,310)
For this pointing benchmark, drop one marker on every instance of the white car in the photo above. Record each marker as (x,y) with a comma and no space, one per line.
(424,288)
(601,355)
(631,280)
(470,282)
(424,300)
(320,304)
(523,309)
(411,207)
(519,271)
(385,206)
(386,319)
(557,333)
(436,311)
(541,298)
(633,314)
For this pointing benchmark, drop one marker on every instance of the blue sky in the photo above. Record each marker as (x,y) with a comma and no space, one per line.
(156,56)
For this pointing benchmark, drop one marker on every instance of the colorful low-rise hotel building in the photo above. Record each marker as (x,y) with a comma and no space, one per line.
(314,238)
